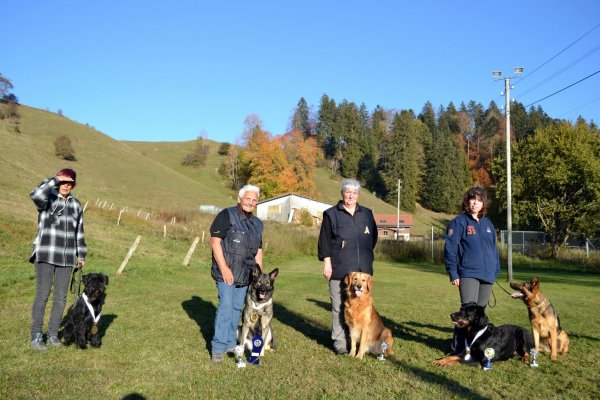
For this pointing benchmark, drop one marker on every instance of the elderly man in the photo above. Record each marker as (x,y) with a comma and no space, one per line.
(236,240)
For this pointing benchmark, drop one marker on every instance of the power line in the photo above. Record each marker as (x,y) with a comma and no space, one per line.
(565,88)
(589,53)
(559,53)
(581,106)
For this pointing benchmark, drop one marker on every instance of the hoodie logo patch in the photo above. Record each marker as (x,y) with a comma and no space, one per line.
(367,232)
(471,230)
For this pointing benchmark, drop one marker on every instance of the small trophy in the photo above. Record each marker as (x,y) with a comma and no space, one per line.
(489,354)
(239,356)
(384,347)
(257,345)
(534,353)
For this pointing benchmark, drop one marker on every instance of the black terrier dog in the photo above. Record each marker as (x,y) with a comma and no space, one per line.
(82,324)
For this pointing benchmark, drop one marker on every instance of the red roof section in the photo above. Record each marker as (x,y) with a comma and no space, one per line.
(392,219)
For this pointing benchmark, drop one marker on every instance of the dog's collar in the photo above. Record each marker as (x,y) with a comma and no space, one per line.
(258,307)
(95,317)
(468,346)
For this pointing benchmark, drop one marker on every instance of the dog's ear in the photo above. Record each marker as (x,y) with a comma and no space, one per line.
(347,279)
(256,271)
(84,279)
(535,283)
(369,282)
(106,280)
(273,274)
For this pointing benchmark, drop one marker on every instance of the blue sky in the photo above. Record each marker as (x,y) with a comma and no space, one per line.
(172,70)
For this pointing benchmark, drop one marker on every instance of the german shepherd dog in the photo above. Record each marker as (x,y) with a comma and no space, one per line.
(258,310)
(506,340)
(545,323)
(365,324)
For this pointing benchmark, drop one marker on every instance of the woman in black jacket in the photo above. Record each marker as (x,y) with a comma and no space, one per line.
(346,242)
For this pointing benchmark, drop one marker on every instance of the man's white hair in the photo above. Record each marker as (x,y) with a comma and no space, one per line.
(350,184)
(248,188)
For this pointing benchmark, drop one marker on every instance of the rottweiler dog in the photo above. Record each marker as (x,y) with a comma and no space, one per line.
(506,340)
(548,336)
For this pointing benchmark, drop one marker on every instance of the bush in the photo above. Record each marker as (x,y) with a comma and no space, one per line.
(224,149)
(64,148)
(196,158)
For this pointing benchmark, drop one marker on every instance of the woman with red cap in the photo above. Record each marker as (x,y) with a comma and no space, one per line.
(59,246)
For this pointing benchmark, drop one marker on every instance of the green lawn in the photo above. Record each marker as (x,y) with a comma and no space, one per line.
(158,321)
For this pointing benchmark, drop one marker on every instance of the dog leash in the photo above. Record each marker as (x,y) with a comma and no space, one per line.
(75,276)
(494,295)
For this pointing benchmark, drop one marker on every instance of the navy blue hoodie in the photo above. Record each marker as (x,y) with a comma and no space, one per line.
(470,250)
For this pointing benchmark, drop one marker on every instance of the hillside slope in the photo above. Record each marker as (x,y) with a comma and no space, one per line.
(146,175)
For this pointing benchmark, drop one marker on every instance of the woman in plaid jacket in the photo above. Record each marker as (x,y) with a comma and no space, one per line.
(58,247)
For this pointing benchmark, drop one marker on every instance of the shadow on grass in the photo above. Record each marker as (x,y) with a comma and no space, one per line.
(430,378)
(105,322)
(302,324)
(203,313)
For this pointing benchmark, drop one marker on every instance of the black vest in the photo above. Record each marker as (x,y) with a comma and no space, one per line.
(240,246)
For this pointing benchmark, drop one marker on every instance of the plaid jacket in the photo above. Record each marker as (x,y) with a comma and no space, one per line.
(59,238)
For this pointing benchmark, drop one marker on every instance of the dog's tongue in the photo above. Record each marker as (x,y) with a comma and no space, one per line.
(516,295)
(358,293)
(261,296)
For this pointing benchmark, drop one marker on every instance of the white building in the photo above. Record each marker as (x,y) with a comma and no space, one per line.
(283,208)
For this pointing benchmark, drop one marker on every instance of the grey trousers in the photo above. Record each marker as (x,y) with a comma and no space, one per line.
(474,290)
(45,276)
(338,330)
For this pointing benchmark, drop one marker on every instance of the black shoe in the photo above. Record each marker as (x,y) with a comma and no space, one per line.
(341,352)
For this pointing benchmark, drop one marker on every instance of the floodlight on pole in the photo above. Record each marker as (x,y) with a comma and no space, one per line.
(497,76)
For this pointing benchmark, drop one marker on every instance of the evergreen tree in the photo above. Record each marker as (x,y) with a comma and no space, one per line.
(348,129)
(325,127)
(301,119)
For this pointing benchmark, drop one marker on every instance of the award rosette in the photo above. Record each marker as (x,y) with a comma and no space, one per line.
(489,354)
(239,356)
(257,345)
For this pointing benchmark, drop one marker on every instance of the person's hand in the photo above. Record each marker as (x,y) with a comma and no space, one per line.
(227,275)
(327,270)
(80,264)
(456,282)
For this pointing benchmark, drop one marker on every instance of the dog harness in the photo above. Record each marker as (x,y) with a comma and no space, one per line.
(95,317)
(468,346)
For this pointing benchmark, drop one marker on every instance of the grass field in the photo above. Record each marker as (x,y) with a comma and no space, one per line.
(158,322)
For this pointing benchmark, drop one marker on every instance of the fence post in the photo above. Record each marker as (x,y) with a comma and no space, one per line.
(432,258)
(187,258)
(129,254)
(119,220)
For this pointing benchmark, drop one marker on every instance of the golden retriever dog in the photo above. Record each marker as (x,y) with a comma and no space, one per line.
(364,323)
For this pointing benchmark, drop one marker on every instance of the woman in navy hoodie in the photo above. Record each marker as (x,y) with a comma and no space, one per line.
(470,254)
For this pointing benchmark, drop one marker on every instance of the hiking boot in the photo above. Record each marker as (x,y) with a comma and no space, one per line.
(217,358)
(38,342)
(54,342)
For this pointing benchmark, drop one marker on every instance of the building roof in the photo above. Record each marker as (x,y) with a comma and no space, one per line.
(391,220)
(291,194)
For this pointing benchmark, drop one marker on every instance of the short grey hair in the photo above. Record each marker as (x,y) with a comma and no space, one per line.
(350,184)
(248,188)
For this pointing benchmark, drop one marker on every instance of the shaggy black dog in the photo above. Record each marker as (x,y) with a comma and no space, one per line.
(506,340)
(82,324)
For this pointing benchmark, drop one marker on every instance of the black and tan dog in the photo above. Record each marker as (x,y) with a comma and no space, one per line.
(367,332)
(82,323)
(548,335)
(506,340)
(258,310)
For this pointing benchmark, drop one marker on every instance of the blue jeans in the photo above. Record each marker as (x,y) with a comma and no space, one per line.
(227,318)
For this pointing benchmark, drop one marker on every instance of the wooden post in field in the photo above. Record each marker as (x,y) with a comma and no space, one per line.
(119,220)
(186,260)
(202,237)
(164,230)
(129,254)
(84,207)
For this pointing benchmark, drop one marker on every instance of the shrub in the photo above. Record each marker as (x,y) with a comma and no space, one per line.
(224,149)
(64,148)
(197,157)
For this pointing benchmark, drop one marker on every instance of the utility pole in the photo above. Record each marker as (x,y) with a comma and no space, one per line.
(398,211)
(498,75)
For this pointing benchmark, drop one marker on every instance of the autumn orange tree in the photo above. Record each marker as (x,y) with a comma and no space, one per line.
(279,165)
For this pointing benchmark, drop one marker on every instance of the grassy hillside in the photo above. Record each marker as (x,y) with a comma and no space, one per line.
(137,175)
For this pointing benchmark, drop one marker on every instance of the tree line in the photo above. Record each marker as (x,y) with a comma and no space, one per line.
(433,156)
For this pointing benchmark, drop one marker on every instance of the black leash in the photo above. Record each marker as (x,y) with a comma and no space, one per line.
(494,295)
(76,277)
